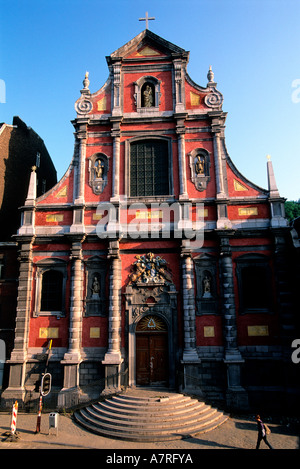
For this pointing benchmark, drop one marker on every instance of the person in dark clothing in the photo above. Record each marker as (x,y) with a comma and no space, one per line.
(262,433)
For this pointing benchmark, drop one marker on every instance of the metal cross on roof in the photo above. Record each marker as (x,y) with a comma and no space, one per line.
(147,18)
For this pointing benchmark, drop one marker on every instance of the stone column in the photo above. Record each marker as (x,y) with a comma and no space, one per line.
(113,226)
(116,164)
(180,130)
(116,69)
(79,190)
(218,162)
(190,357)
(217,128)
(17,362)
(236,395)
(113,358)
(80,183)
(72,357)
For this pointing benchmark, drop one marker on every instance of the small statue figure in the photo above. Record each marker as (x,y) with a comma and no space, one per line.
(99,169)
(207,287)
(199,165)
(148,97)
(95,288)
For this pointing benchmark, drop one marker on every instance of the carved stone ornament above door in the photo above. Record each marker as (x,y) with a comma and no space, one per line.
(148,269)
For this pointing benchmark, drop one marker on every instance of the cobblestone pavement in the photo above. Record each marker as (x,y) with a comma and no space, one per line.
(239,432)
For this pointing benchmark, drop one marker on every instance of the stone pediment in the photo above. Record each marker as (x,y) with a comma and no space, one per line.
(147,44)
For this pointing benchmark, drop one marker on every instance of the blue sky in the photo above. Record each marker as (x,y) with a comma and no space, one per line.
(253,46)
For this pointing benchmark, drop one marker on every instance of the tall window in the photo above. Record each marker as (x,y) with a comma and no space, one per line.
(52,288)
(255,287)
(149,168)
(254,281)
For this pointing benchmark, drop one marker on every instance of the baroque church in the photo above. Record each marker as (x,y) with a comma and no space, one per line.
(154,261)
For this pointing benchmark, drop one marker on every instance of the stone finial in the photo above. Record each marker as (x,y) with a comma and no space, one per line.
(31,194)
(273,190)
(210,75)
(86,81)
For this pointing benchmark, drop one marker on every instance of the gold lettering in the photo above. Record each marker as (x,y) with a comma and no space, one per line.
(94,332)
(209,331)
(53,218)
(258,331)
(248,211)
(48,332)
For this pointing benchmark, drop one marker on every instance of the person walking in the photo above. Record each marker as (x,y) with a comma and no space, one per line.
(262,432)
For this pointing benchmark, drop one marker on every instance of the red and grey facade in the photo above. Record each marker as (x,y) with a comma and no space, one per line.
(207,316)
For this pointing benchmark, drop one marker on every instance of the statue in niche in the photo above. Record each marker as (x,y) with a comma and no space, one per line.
(98,168)
(148,96)
(207,285)
(199,165)
(95,288)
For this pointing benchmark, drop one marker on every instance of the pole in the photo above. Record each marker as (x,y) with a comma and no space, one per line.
(48,355)
(39,417)
(14,418)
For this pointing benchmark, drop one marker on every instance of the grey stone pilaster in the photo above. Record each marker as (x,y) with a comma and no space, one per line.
(217,127)
(116,134)
(113,359)
(72,357)
(79,181)
(81,167)
(117,108)
(17,362)
(189,309)
(76,307)
(236,395)
(180,130)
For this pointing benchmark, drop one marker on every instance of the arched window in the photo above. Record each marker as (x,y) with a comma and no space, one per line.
(52,289)
(254,281)
(149,168)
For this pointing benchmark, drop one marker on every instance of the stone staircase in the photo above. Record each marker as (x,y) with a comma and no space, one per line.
(146,415)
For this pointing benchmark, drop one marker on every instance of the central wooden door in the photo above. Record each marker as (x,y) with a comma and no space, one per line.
(152,354)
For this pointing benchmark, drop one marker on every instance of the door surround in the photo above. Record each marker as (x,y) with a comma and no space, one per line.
(152,354)
(158,300)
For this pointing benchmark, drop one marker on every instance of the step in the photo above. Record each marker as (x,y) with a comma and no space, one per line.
(154,422)
(148,429)
(149,408)
(140,415)
(144,417)
(122,435)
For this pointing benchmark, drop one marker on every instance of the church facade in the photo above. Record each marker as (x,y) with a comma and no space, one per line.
(153,261)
